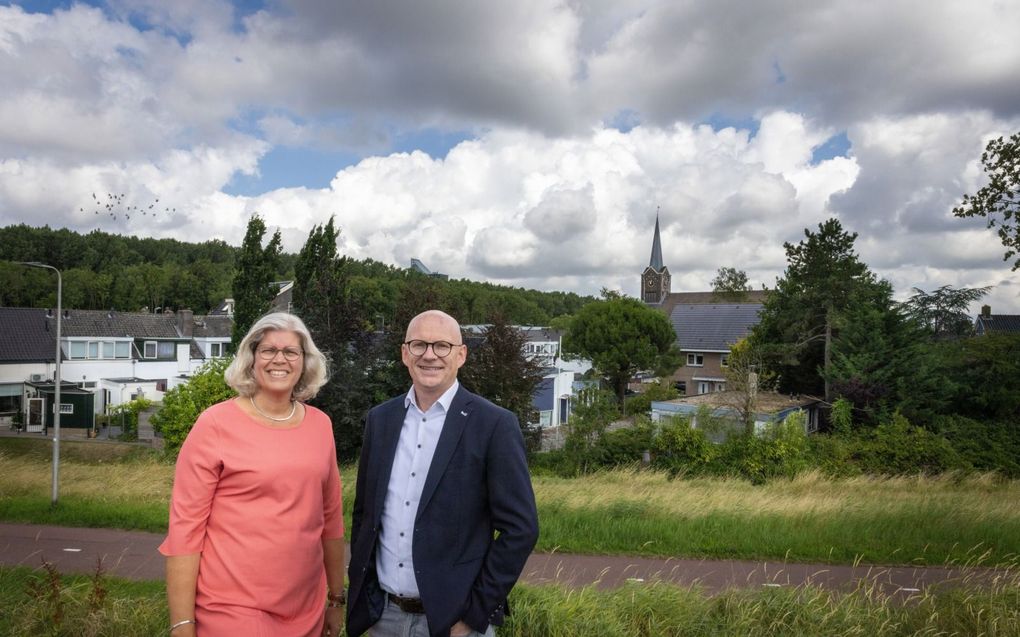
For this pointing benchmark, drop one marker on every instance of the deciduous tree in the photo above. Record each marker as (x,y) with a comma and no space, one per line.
(730,284)
(500,370)
(943,312)
(999,200)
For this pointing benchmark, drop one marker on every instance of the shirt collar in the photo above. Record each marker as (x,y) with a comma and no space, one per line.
(444,401)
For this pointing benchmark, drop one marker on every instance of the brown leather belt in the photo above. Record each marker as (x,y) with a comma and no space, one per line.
(411,605)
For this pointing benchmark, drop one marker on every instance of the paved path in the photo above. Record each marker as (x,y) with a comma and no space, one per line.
(133,555)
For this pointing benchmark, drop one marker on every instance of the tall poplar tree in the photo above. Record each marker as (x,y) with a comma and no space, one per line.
(256,267)
(322,298)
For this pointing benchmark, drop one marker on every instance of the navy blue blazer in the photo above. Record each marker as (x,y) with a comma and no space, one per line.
(478,485)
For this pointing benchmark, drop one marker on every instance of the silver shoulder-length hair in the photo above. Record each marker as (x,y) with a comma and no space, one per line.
(314,374)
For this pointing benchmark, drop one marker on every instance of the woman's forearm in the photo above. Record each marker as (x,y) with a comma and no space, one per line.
(333,560)
(181,578)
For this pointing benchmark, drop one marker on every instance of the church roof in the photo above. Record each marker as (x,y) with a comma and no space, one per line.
(655,262)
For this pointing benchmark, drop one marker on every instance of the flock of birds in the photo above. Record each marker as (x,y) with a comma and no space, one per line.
(114,206)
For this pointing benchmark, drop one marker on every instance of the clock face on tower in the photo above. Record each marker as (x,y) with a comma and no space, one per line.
(650,282)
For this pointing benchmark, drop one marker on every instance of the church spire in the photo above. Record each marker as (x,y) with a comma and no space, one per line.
(655,262)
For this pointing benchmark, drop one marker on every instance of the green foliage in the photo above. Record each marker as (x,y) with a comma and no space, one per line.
(622,336)
(681,449)
(778,451)
(824,280)
(126,415)
(183,404)
(622,447)
(943,312)
(593,411)
(730,285)
(983,376)
(841,417)
(653,392)
(897,447)
(256,267)
(985,445)
(499,370)
(880,363)
(999,199)
(323,298)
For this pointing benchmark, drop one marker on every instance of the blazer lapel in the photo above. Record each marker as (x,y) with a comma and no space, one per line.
(391,423)
(453,427)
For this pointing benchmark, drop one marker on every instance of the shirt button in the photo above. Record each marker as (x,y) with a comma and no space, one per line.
(413,474)
(401,565)
(401,534)
(408,503)
(419,446)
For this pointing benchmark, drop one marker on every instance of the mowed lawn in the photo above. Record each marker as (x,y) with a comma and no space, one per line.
(905,520)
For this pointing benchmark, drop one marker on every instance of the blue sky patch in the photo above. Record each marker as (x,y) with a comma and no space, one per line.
(289,167)
(836,146)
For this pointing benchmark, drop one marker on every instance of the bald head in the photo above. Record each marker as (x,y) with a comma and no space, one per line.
(439,319)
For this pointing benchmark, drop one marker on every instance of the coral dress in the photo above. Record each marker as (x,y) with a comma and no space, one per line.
(256,502)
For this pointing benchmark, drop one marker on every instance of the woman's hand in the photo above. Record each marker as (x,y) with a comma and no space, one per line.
(334,622)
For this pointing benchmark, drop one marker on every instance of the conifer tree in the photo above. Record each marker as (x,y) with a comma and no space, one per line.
(256,267)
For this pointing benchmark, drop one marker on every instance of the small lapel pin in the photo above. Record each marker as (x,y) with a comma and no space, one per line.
(463,413)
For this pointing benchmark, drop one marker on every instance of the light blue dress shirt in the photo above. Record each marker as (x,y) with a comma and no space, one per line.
(415,448)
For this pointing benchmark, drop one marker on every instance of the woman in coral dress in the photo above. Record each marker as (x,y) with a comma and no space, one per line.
(255,544)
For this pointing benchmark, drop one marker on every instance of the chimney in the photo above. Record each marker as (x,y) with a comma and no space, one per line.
(986,311)
(185,323)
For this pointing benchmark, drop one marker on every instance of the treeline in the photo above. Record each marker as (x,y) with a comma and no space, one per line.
(108,271)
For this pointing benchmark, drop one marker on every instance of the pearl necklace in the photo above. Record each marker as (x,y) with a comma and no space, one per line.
(293,408)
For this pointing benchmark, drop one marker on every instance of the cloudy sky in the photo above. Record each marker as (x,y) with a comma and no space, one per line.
(526,143)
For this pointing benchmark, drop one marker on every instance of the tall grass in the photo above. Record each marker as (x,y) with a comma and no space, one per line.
(919,520)
(41,603)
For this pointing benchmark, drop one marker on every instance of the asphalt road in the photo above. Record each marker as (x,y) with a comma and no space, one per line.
(133,555)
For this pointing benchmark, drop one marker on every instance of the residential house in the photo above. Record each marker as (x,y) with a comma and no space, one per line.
(554,394)
(988,323)
(707,324)
(116,356)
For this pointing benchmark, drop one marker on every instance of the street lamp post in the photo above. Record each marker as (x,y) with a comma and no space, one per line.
(56,382)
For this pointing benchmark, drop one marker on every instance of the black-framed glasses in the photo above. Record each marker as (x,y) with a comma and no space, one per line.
(441,349)
(269,353)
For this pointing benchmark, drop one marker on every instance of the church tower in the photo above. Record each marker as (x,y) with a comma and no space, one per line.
(655,278)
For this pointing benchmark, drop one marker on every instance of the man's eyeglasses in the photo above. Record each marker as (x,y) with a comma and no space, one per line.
(441,349)
(269,353)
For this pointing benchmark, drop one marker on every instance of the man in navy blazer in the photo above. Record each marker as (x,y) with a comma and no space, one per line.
(444,513)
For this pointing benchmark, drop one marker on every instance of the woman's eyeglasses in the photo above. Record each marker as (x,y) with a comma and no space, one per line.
(269,353)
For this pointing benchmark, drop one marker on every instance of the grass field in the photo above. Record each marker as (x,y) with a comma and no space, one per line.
(37,604)
(949,519)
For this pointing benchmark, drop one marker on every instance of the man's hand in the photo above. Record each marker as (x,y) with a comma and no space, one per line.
(460,629)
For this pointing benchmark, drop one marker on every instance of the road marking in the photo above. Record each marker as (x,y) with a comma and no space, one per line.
(73,550)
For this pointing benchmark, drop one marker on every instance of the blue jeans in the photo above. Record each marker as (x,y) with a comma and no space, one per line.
(396,623)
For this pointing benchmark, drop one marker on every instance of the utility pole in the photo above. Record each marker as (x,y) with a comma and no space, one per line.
(56,382)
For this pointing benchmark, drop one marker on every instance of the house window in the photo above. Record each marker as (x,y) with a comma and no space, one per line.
(216,349)
(109,350)
(695,360)
(681,386)
(66,408)
(702,387)
(720,386)
(93,349)
(150,349)
(123,349)
(725,360)
(166,349)
(78,349)
(160,385)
